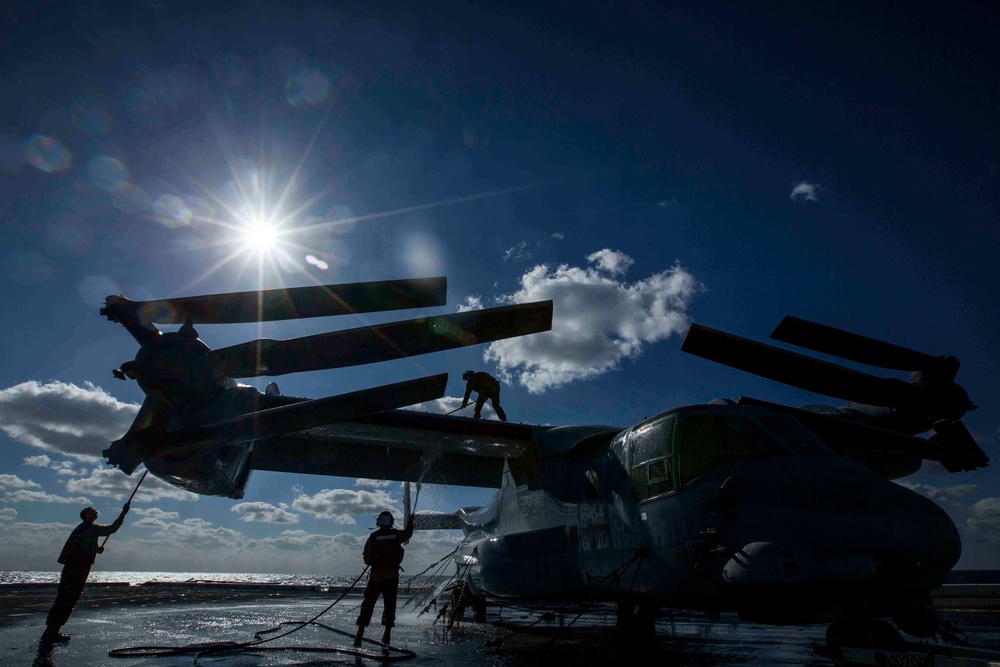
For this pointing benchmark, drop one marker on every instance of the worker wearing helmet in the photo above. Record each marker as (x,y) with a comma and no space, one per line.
(384,553)
(486,387)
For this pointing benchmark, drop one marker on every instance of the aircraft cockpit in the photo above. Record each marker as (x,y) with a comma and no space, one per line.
(674,450)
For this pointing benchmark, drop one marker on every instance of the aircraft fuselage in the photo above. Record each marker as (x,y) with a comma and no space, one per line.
(713,507)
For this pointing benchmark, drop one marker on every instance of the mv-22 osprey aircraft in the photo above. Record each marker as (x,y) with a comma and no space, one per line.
(784,515)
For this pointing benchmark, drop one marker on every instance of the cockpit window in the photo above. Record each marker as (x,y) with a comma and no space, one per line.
(795,435)
(709,441)
(651,450)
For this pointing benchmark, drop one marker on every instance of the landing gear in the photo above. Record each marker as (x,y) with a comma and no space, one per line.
(463,597)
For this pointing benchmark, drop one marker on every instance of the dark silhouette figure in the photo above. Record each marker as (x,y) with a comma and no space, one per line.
(77,557)
(486,387)
(384,553)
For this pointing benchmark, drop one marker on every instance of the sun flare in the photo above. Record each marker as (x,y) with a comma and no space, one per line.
(261,236)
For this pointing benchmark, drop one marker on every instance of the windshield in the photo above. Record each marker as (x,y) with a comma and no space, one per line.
(710,441)
(795,435)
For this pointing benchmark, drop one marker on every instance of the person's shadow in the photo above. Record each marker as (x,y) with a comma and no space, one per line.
(44,657)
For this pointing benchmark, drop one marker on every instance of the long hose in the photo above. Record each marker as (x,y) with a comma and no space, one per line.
(216,648)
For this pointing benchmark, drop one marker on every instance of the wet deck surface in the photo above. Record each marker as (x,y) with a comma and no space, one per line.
(113,622)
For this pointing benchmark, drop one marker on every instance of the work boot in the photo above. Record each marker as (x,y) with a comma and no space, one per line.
(387,636)
(357,637)
(54,637)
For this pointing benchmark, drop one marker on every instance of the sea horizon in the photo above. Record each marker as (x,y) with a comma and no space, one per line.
(139,577)
(136,578)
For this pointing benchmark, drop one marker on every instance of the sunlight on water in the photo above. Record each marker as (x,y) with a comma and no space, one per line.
(137,578)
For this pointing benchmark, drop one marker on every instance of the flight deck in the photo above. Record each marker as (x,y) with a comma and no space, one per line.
(264,624)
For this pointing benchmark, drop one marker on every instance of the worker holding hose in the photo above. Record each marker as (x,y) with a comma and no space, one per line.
(77,557)
(383,553)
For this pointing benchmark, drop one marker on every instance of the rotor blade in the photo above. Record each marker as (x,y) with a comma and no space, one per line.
(861,349)
(964,452)
(797,370)
(284,303)
(383,342)
(128,453)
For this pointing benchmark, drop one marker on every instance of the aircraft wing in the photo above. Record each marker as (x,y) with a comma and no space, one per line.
(296,416)
(410,446)
(401,445)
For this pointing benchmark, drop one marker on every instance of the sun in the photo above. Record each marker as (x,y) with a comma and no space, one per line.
(261,236)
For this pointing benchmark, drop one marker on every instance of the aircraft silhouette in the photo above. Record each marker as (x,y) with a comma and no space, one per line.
(201,430)
(785,515)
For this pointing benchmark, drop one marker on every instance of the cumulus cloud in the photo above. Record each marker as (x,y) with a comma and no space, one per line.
(598,319)
(984,520)
(264,512)
(13,482)
(296,540)
(339,505)
(805,192)
(611,261)
(447,405)
(40,461)
(470,303)
(112,483)
(8,514)
(375,483)
(156,513)
(26,496)
(63,418)
(193,533)
(942,495)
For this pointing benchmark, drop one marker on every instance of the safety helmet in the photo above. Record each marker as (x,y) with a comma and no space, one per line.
(384,520)
(467,374)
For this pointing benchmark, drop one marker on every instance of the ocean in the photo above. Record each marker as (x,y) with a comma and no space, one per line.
(985,577)
(137,578)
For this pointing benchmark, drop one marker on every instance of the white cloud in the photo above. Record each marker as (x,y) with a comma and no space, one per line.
(8,514)
(984,520)
(518,253)
(25,496)
(79,422)
(156,513)
(299,540)
(340,505)
(112,483)
(611,261)
(558,236)
(471,303)
(375,483)
(805,192)
(942,495)
(448,405)
(13,482)
(598,320)
(40,461)
(264,512)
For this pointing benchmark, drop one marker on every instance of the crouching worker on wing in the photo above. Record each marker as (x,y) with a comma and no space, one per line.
(384,553)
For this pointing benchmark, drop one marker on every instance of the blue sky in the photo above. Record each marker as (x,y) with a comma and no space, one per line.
(645,166)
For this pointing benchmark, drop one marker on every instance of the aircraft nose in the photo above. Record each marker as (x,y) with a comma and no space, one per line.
(806,522)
